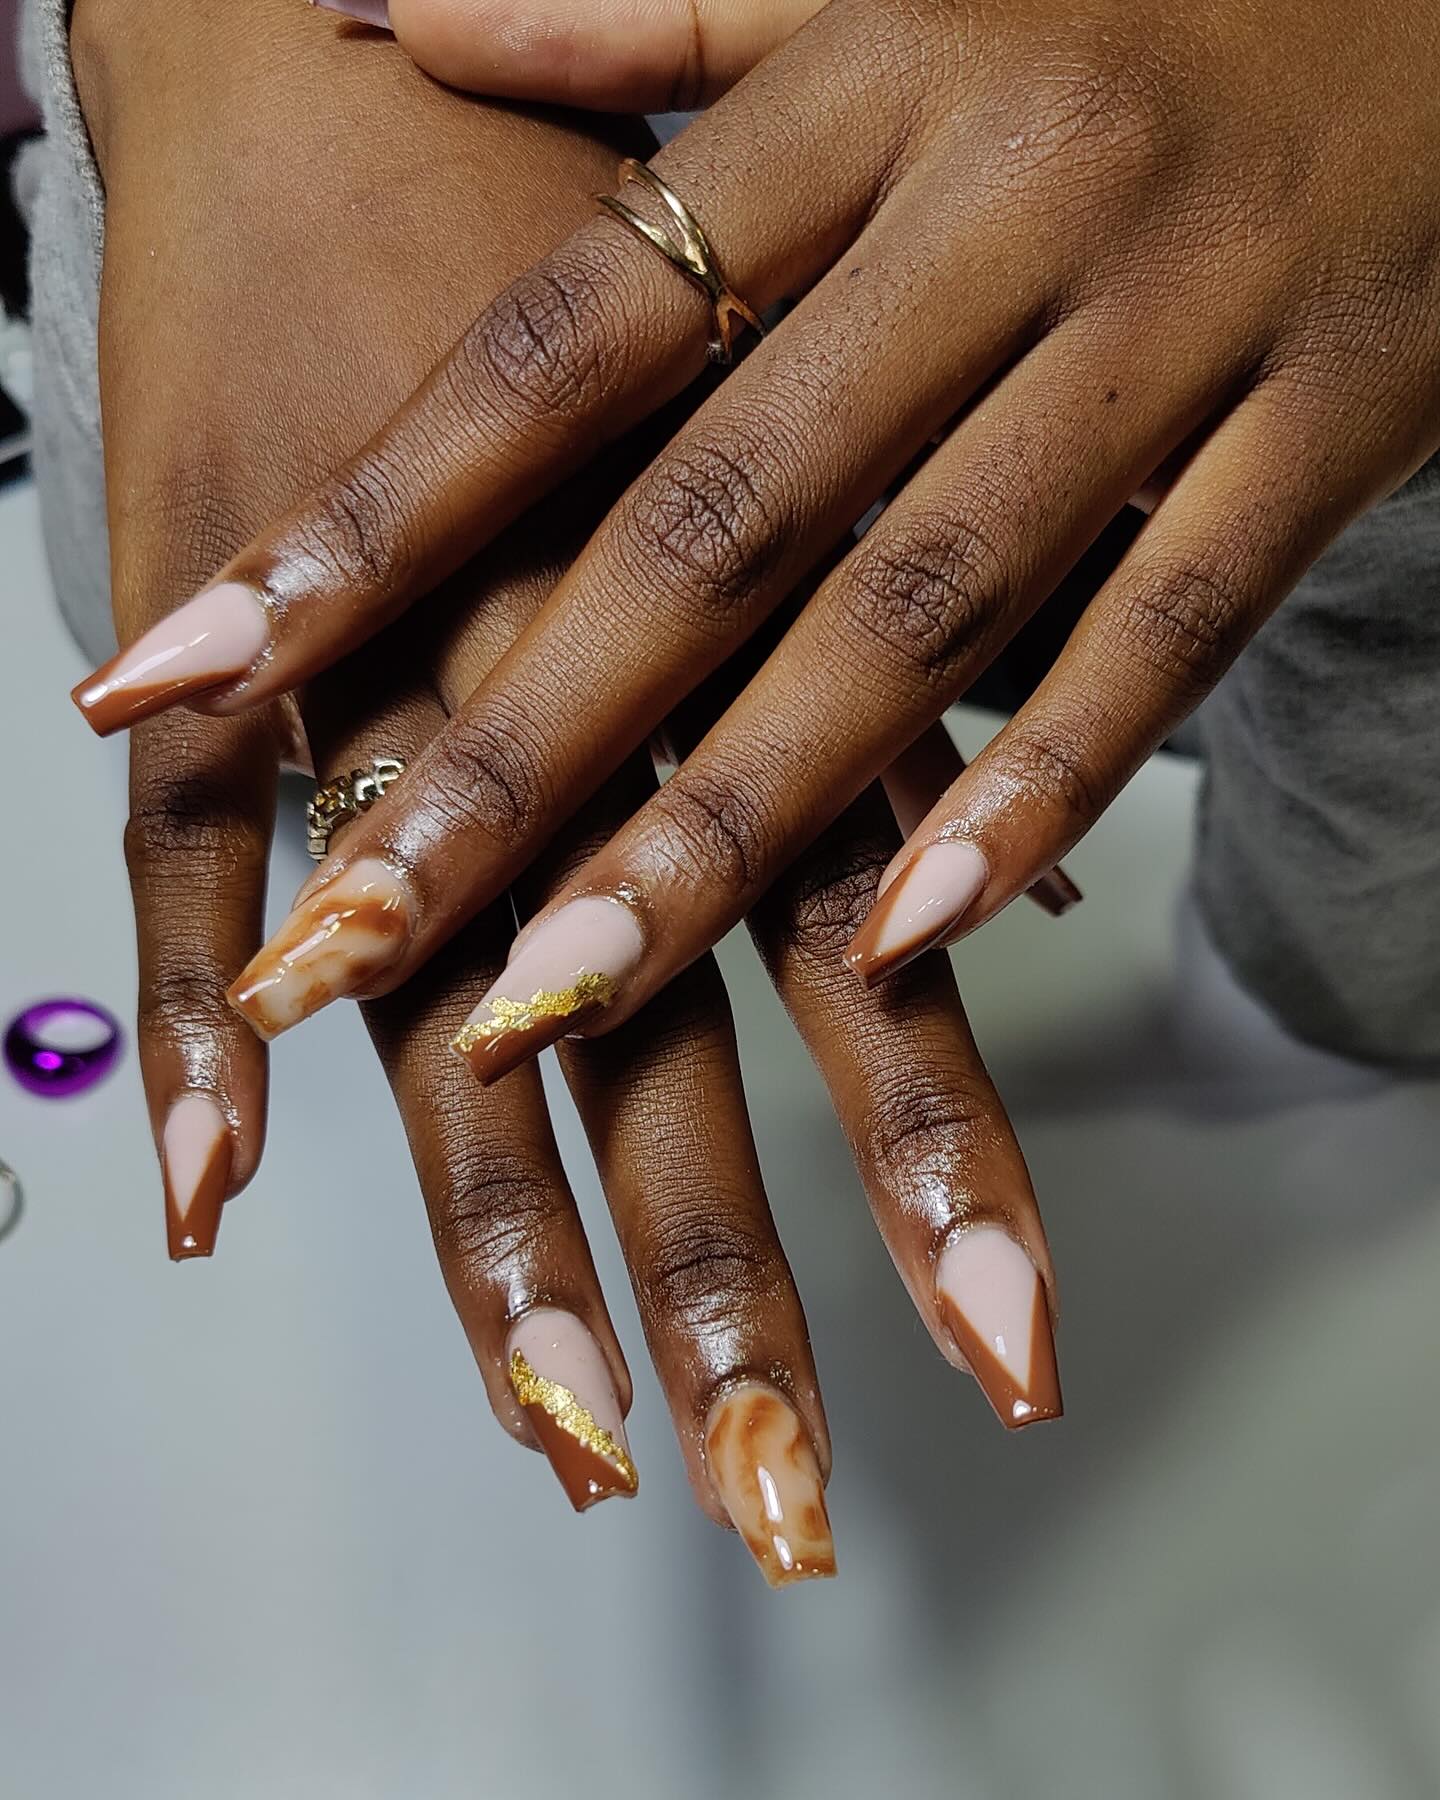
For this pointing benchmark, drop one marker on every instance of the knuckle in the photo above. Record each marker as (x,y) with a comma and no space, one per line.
(925,596)
(825,902)
(1094,104)
(536,349)
(497,1211)
(356,532)
(183,998)
(703,520)
(914,1130)
(1048,766)
(177,823)
(1185,621)
(714,826)
(702,1265)
(485,775)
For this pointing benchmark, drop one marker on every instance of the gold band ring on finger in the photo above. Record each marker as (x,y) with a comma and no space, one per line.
(688,248)
(344,799)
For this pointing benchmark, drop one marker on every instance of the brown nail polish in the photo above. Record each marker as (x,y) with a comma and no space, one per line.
(336,942)
(196,1153)
(209,642)
(995,1306)
(562,1380)
(919,909)
(764,1469)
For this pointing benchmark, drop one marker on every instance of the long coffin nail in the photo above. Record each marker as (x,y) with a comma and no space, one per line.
(368,12)
(571,965)
(212,640)
(919,908)
(993,1300)
(335,943)
(764,1469)
(196,1151)
(561,1378)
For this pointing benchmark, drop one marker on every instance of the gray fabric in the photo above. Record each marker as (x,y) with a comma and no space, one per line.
(1319,857)
(60,190)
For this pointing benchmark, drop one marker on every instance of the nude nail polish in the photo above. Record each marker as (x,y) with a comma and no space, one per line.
(918,909)
(368,12)
(196,1150)
(563,1381)
(994,1303)
(336,942)
(763,1465)
(209,642)
(567,968)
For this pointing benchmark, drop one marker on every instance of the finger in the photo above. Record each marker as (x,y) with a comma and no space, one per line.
(202,796)
(729,517)
(627,56)
(566,360)
(944,1175)
(922,773)
(663,1106)
(1257,505)
(509,1240)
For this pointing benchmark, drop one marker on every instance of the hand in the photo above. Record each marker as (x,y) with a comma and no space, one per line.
(1081,244)
(721,1315)
(620,55)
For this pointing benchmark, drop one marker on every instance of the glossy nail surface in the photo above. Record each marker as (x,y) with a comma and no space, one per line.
(571,965)
(213,639)
(368,12)
(561,1378)
(195,1152)
(918,909)
(336,942)
(763,1466)
(994,1303)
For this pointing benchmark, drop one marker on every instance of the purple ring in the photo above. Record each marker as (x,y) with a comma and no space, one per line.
(60,1047)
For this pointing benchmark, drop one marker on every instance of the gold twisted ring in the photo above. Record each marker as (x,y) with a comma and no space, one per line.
(344,799)
(689,250)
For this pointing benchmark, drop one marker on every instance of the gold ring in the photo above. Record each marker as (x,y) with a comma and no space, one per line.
(344,799)
(689,250)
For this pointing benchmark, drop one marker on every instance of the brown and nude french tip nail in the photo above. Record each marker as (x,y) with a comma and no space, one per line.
(562,1380)
(337,941)
(563,971)
(919,908)
(763,1464)
(196,1151)
(209,642)
(994,1304)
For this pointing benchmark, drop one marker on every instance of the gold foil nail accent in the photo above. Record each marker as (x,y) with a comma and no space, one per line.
(567,1412)
(590,990)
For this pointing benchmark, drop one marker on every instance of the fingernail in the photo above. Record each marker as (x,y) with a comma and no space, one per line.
(195,1155)
(213,639)
(1056,892)
(919,908)
(368,12)
(993,1301)
(763,1466)
(335,943)
(561,1378)
(570,966)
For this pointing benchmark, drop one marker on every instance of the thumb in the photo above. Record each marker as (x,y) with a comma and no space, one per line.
(617,55)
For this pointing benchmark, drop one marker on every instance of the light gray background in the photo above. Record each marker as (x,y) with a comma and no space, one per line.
(260,1540)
